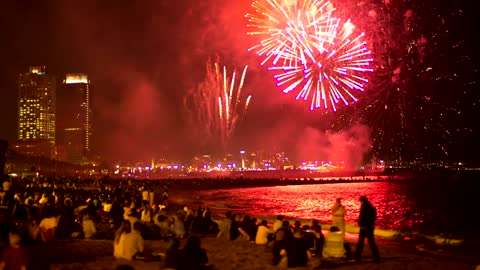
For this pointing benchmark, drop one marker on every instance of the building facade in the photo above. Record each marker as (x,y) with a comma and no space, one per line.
(36,112)
(74,121)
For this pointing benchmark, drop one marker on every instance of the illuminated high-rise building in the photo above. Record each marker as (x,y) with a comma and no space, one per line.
(74,121)
(36,112)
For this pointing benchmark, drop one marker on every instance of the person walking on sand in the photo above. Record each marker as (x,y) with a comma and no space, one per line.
(366,222)
(338,216)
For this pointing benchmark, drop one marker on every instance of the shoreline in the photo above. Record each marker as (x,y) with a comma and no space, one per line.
(440,243)
(233,183)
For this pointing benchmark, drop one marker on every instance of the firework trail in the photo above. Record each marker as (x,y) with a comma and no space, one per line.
(217,104)
(321,59)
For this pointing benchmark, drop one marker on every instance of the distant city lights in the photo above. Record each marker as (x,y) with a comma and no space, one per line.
(243,162)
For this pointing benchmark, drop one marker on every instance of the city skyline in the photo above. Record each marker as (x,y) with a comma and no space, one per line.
(54,120)
(421,103)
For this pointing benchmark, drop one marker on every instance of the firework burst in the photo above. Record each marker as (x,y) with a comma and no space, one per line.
(314,54)
(218,104)
(330,74)
(287,27)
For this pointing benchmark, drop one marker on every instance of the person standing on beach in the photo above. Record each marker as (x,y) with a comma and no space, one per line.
(366,222)
(338,215)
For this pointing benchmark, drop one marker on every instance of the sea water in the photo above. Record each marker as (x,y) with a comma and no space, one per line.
(427,206)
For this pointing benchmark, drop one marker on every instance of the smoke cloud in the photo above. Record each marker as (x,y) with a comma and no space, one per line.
(349,146)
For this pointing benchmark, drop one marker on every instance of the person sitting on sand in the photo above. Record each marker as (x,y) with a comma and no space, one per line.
(163,223)
(178,227)
(234,232)
(133,216)
(172,254)
(147,214)
(127,209)
(210,226)
(225,227)
(263,233)
(315,225)
(88,226)
(309,236)
(298,253)
(197,224)
(319,238)
(252,229)
(297,226)
(125,228)
(116,213)
(134,243)
(47,226)
(277,224)
(245,227)
(15,256)
(189,218)
(279,250)
(193,256)
(334,244)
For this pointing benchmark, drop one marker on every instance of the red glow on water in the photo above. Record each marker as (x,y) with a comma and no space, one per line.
(394,209)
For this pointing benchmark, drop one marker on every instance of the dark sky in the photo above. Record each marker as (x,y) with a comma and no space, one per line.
(143,56)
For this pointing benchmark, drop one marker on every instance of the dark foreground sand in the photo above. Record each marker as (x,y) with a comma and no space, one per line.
(97,254)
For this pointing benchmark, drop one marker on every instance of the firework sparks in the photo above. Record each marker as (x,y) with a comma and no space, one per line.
(217,104)
(290,26)
(320,58)
(331,75)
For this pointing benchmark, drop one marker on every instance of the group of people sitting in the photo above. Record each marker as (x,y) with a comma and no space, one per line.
(291,245)
(47,209)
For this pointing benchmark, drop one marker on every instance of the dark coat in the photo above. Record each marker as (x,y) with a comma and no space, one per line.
(368,216)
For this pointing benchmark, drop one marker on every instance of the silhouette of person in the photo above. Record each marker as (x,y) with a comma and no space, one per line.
(366,222)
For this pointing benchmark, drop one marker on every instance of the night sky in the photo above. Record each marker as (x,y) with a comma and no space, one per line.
(143,56)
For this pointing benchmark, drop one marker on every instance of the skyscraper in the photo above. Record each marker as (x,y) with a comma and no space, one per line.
(36,112)
(74,121)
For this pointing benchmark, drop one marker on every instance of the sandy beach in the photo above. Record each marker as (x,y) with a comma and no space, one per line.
(97,254)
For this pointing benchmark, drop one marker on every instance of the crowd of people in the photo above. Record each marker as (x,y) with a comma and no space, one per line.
(128,211)
(293,245)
